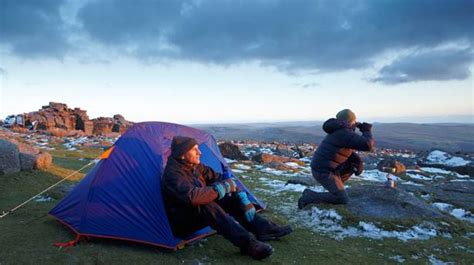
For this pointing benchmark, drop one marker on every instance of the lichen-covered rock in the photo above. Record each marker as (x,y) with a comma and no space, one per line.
(27,161)
(9,157)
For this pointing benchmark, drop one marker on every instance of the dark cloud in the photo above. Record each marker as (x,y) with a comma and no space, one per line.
(291,35)
(449,64)
(32,28)
(322,35)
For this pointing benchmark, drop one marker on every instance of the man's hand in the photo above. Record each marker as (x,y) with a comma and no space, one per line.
(247,205)
(364,127)
(358,169)
(224,187)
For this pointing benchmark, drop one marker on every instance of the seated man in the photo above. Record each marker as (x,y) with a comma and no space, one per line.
(195,197)
(335,160)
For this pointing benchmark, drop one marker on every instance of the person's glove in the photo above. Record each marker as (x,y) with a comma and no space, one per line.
(249,209)
(364,127)
(224,187)
(356,163)
(358,169)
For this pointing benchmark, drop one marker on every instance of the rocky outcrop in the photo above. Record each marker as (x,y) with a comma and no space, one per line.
(231,151)
(377,201)
(459,193)
(105,125)
(58,120)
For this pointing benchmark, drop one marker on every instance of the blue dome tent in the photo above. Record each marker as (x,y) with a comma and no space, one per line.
(120,197)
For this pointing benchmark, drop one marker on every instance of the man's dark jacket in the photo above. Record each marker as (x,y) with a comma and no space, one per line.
(339,145)
(185,187)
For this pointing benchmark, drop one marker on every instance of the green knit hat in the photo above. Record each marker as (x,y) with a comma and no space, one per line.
(346,115)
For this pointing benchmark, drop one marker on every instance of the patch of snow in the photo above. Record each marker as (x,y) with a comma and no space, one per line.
(418,176)
(273,171)
(266,150)
(435,170)
(278,186)
(43,198)
(229,161)
(426,196)
(440,157)
(375,175)
(434,261)
(462,180)
(442,171)
(306,159)
(398,258)
(412,183)
(442,206)
(458,213)
(463,214)
(242,166)
(292,164)
(237,171)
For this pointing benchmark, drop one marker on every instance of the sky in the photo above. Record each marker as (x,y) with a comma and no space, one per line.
(224,61)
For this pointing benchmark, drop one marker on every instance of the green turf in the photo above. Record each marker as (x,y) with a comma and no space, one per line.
(27,235)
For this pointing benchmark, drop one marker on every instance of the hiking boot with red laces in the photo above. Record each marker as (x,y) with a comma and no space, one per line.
(256,249)
(275,232)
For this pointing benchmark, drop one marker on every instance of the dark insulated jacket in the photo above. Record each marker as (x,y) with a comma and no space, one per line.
(185,187)
(339,145)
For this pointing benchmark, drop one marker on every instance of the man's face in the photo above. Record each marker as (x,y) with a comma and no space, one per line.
(193,156)
(353,124)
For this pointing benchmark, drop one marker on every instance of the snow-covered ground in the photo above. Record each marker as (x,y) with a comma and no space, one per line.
(329,222)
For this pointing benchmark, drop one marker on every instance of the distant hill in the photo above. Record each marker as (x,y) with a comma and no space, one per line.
(452,137)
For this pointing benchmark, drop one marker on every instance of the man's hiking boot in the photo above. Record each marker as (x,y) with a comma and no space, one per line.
(306,198)
(256,249)
(275,232)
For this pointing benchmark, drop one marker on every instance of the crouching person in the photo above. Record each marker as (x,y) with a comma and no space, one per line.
(195,197)
(335,161)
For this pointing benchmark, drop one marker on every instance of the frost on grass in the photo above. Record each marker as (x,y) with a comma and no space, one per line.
(278,185)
